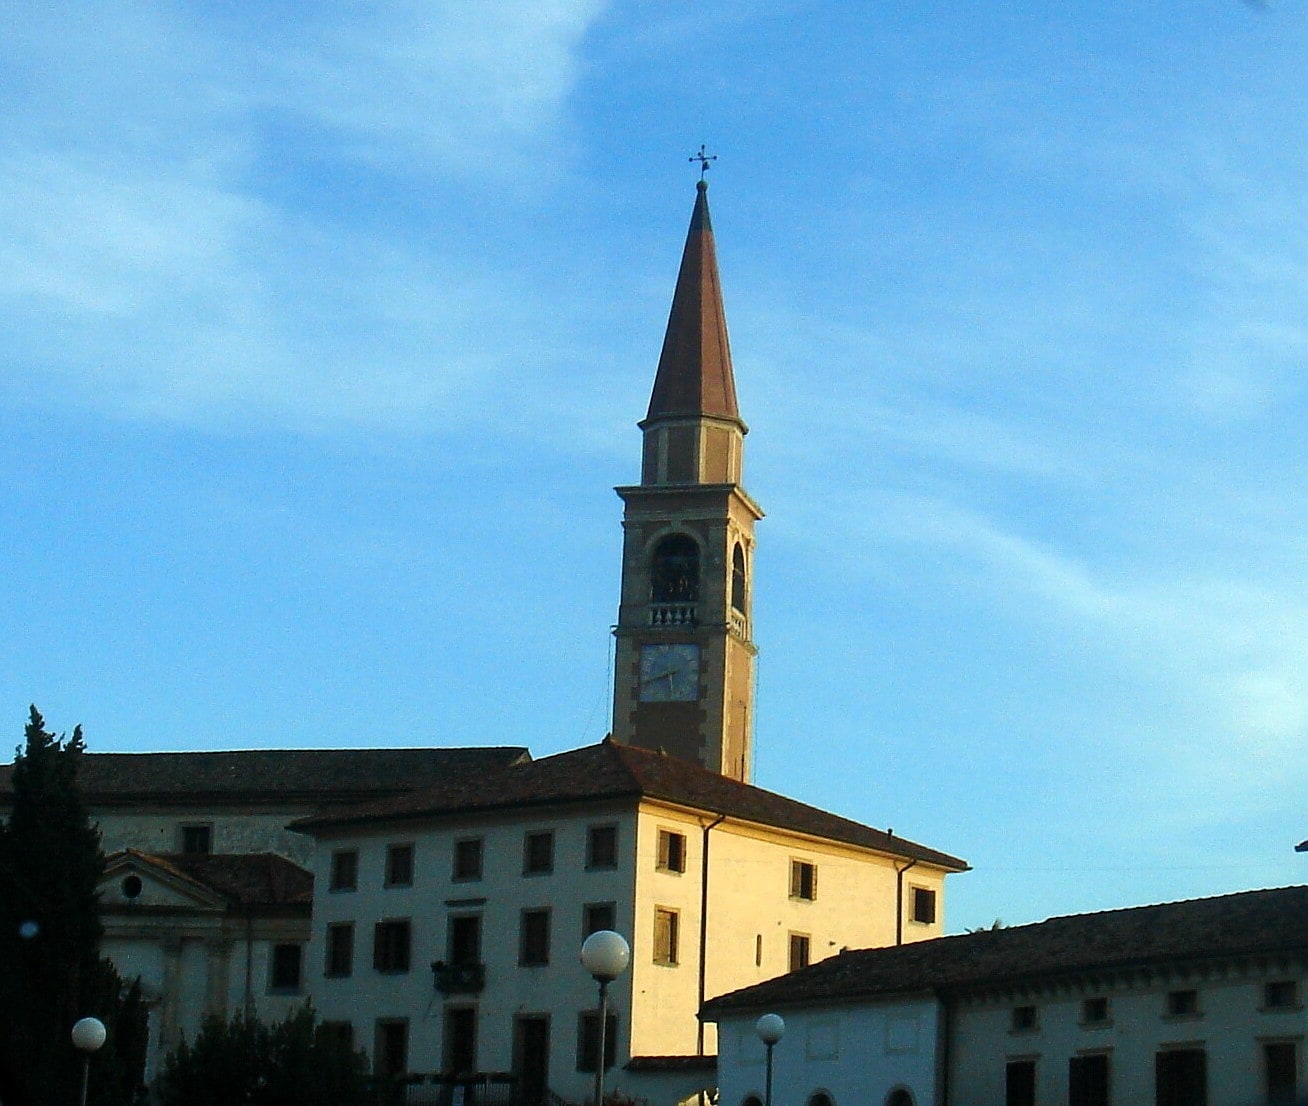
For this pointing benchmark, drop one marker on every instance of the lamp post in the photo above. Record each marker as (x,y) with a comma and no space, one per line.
(605,955)
(770,1028)
(88,1036)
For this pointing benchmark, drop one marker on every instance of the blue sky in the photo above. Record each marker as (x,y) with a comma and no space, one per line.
(324,329)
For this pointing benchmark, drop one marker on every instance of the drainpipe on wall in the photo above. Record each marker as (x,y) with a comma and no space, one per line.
(703,926)
(249,962)
(946,1046)
(899,901)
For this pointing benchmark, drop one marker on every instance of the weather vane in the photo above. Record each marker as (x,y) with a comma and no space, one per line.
(703,158)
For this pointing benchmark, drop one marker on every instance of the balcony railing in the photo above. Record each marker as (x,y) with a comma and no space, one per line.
(672,614)
(459,979)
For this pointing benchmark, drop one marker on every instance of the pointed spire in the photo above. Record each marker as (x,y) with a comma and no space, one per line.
(694,376)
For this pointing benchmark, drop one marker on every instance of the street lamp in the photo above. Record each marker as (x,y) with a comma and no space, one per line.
(88,1036)
(605,955)
(770,1028)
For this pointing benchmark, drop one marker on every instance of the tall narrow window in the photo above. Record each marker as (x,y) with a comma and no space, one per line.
(738,578)
(467,859)
(674,570)
(534,939)
(284,969)
(399,865)
(666,925)
(340,950)
(672,851)
(345,870)
(460,1045)
(391,1055)
(799,951)
(1087,1080)
(1019,1083)
(463,945)
(538,853)
(390,946)
(1280,1071)
(924,905)
(1181,1077)
(588,1040)
(602,847)
(803,880)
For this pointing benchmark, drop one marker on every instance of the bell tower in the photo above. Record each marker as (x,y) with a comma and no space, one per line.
(684,668)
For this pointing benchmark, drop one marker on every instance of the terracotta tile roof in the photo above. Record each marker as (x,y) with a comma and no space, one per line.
(609,771)
(1250,923)
(244,879)
(315,776)
(694,375)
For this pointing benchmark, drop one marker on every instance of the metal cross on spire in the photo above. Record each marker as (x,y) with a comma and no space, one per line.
(703,158)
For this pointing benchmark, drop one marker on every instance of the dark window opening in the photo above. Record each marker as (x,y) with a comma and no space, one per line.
(1087,1080)
(666,926)
(284,973)
(468,858)
(1182,1004)
(738,579)
(390,946)
(598,915)
(1022,1019)
(399,865)
(197,840)
(588,1040)
(924,905)
(392,1052)
(340,949)
(538,853)
(1181,1077)
(1280,1070)
(464,940)
(602,847)
(672,851)
(1281,994)
(803,880)
(1019,1083)
(345,870)
(534,939)
(1094,1011)
(674,571)
(460,1040)
(799,951)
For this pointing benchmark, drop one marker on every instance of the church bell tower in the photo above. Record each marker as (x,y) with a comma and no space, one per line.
(684,667)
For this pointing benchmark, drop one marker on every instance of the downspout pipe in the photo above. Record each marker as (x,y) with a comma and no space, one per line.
(703,924)
(899,901)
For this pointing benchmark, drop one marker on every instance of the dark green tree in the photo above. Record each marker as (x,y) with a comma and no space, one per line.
(51,972)
(290,1063)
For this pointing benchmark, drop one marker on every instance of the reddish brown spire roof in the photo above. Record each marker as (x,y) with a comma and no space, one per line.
(694,376)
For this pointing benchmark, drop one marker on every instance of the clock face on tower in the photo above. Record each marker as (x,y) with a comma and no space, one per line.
(669,673)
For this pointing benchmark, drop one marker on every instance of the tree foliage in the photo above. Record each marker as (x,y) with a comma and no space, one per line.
(243,1060)
(51,972)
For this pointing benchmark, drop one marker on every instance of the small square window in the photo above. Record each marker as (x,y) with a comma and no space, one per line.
(467,859)
(666,927)
(534,941)
(196,840)
(538,853)
(345,870)
(399,865)
(284,970)
(1022,1019)
(602,847)
(1182,1004)
(800,945)
(598,915)
(1094,1011)
(803,880)
(340,950)
(672,851)
(390,948)
(924,905)
(1281,994)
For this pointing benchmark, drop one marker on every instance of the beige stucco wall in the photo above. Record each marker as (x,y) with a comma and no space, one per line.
(234,830)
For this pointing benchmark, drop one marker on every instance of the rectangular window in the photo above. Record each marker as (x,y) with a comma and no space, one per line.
(672,851)
(538,853)
(588,1040)
(463,940)
(602,847)
(284,968)
(534,938)
(924,905)
(1022,1019)
(1280,1073)
(345,870)
(467,859)
(1087,1080)
(1281,994)
(340,950)
(803,880)
(390,946)
(799,951)
(1019,1083)
(598,915)
(1181,1077)
(391,1055)
(339,1033)
(460,1044)
(666,923)
(196,840)
(1094,1011)
(399,865)
(1182,1004)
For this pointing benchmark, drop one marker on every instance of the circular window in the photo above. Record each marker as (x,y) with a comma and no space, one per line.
(132,887)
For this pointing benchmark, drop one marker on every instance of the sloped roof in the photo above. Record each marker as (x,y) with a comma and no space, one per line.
(243,879)
(609,771)
(694,376)
(315,776)
(1248,923)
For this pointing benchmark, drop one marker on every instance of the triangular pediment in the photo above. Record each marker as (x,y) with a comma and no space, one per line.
(136,880)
